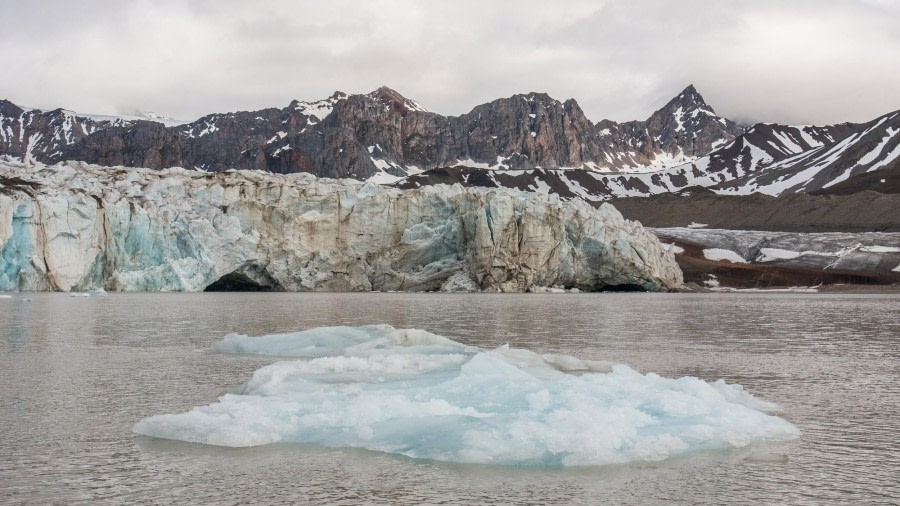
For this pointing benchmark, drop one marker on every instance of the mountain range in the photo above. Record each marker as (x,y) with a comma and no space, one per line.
(528,141)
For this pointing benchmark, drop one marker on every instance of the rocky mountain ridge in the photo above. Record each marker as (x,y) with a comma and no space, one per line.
(531,142)
(381,134)
(768,158)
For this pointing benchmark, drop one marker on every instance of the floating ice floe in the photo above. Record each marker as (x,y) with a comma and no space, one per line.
(413,393)
(100,292)
(790,289)
(553,289)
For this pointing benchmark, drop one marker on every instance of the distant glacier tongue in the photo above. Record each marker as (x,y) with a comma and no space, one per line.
(414,393)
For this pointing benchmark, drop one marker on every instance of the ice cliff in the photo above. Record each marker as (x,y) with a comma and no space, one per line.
(79,227)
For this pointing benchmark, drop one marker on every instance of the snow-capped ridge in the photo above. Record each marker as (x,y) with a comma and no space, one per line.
(548,134)
(826,156)
(319,109)
(384,136)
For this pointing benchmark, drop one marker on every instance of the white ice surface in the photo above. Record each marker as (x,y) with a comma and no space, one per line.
(100,292)
(880,249)
(790,289)
(417,394)
(771,254)
(384,178)
(319,109)
(723,254)
(674,248)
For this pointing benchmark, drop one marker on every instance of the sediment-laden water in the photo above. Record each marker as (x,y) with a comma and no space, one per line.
(77,374)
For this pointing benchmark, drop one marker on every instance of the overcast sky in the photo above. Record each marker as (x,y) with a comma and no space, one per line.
(803,61)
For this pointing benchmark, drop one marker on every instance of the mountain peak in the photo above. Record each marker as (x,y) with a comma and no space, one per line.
(689,126)
(386,91)
(688,103)
(535,96)
(395,101)
(8,108)
(690,99)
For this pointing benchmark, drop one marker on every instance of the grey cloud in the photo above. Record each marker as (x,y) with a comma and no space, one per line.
(803,61)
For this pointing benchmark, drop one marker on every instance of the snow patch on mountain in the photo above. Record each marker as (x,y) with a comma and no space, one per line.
(319,109)
(723,254)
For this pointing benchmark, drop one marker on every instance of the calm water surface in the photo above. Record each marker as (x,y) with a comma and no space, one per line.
(77,373)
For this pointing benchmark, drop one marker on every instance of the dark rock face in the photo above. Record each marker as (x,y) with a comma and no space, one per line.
(535,131)
(358,136)
(395,101)
(528,131)
(44,136)
(769,158)
(685,128)
(531,141)
(520,132)
(142,144)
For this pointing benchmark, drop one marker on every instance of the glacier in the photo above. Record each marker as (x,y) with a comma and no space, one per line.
(413,393)
(79,227)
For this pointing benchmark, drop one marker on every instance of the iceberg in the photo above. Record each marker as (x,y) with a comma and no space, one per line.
(414,393)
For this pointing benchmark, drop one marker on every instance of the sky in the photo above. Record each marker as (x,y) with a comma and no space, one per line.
(786,61)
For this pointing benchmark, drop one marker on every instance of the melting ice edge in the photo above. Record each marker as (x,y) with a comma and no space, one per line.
(410,392)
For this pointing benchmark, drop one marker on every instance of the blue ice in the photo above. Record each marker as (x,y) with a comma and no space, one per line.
(410,392)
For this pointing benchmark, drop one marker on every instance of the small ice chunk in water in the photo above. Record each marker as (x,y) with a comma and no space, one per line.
(336,341)
(410,392)
(100,292)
